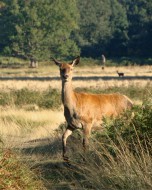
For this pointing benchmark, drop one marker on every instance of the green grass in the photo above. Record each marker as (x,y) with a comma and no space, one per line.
(49,99)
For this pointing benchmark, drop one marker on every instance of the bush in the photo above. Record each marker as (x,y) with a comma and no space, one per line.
(119,158)
(25,96)
(5,99)
(49,99)
(133,127)
(16,175)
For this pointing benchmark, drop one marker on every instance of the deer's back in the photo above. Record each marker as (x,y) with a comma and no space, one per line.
(92,107)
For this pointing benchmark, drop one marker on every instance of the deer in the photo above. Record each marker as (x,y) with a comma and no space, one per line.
(120,74)
(86,110)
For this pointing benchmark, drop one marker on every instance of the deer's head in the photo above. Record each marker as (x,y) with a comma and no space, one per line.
(66,69)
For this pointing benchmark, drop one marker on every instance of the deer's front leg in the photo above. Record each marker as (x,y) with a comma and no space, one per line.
(66,134)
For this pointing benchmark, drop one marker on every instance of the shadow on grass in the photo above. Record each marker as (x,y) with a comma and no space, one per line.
(58,175)
(42,147)
(44,156)
(84,78)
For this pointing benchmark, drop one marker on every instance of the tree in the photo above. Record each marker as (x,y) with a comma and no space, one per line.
(94,26)
(101,24)
(119,29)
(39,28)
(139,15)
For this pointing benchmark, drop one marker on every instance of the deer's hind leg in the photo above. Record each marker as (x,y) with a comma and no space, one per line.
(86,135)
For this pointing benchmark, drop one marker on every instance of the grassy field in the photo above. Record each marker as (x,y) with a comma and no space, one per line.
(32,122)
(85,77)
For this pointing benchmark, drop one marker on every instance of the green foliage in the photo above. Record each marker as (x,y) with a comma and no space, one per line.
(16,175)
(102,23)
(134,126)
(49,99)
(139,32)
(5,99)
(37,29)
(25,96)
(94,24)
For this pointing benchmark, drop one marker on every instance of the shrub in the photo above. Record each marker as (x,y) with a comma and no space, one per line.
(16,175)
(25,96)
(49,99)
(134,126)
(119,158)
(5,99)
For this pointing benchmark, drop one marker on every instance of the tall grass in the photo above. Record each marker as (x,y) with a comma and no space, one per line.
(18,125)
(119,158)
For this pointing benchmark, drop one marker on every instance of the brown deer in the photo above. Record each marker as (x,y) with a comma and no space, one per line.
(120,74)
(83,110)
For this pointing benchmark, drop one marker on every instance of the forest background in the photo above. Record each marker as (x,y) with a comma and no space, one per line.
(39,29)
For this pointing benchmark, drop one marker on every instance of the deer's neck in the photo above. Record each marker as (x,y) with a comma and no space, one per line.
(69,102)
(67,94)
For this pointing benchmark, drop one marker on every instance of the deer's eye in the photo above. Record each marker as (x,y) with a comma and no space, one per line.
(62,70)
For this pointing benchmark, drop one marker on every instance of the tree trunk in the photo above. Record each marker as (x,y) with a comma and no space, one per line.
(33,63)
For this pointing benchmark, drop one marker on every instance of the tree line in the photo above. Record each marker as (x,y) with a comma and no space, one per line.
(39,29)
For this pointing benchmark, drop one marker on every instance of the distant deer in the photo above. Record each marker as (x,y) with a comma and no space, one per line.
(83,110)
(120,74)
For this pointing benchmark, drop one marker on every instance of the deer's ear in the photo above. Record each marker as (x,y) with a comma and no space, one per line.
(75,61)
(56,62)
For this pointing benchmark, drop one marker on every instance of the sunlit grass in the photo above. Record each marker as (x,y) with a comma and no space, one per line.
(90,70)
(95,72)
(17,126)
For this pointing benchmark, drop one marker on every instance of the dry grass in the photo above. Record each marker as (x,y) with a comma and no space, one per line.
(18,126)
(52,70)
(86,77)
(42,86)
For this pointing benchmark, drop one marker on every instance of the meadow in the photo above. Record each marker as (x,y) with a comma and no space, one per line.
(32,122)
